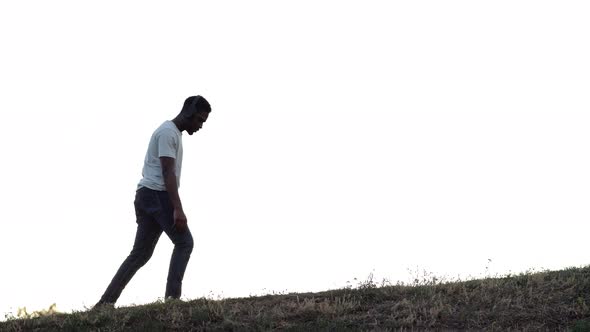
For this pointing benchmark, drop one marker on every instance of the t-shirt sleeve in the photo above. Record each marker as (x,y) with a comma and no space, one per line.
(167,144)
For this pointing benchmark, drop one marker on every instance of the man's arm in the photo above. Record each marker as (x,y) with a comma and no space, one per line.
(170,181)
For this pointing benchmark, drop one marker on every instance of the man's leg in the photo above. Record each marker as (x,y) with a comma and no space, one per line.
(183,247)
(146,238)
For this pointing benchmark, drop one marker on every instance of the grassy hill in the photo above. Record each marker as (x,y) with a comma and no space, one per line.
(542,301)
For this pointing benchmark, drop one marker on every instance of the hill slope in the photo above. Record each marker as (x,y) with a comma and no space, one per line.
(549,300)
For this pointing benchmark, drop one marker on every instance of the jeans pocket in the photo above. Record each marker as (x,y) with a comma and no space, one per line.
(146,203)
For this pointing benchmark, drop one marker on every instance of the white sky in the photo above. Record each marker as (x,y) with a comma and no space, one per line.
(346,137)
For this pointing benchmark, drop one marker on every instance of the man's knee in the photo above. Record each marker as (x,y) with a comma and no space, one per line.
(188,243)
(191,243)
(142,256)
(183,241)
(145,258)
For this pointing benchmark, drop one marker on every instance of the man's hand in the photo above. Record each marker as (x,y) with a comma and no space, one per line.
(180,221)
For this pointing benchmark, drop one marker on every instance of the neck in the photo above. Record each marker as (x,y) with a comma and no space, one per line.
(178,123)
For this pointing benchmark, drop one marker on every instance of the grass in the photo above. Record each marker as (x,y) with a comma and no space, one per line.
(530,301)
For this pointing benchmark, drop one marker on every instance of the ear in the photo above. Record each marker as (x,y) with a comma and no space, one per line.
(187,115)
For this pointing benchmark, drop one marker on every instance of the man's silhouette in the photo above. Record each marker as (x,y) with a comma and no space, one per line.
(157,203)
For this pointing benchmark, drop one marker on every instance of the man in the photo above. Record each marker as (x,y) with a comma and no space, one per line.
(157,203)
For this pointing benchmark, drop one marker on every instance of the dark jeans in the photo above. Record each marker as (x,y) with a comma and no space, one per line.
(154,213)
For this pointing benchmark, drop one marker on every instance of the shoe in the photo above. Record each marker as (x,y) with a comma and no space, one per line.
(103,305)
(170,299)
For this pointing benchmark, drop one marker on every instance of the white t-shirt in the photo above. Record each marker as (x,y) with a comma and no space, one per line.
(166,141)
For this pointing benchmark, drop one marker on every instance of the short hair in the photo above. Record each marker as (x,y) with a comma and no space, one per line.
(193,105)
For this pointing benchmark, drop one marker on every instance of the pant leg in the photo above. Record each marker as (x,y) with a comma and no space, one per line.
(147,235)
(183,247)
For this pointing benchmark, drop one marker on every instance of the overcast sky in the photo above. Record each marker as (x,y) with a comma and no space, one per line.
(346,137)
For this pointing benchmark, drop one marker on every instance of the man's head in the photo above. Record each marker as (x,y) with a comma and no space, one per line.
(194,113)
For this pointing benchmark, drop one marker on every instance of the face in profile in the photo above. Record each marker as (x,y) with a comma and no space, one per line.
(196,122)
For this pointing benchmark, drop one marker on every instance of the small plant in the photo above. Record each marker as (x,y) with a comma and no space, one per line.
(22,312)
(369,283)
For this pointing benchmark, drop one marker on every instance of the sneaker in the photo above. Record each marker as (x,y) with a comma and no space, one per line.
(170,299)
(103,305)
